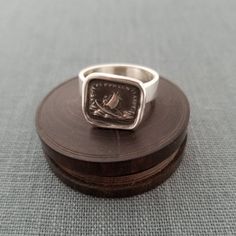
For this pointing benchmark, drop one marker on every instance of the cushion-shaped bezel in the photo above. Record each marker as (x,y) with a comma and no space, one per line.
(119,79)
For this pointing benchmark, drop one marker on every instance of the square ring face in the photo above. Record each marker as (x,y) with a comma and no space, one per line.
(113,102)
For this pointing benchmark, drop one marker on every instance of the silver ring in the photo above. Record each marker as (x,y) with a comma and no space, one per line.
(115,95)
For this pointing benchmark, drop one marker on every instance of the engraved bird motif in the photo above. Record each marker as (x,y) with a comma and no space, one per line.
(113,101)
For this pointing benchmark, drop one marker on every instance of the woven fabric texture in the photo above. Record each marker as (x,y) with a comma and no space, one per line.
(43,43)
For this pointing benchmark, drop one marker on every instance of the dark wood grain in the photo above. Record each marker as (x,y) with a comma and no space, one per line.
(122,186)
(84,153)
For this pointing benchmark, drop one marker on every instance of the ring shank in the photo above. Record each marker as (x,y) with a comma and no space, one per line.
(149,77)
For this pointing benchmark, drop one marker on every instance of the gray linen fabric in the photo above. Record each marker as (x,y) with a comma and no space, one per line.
(193,43)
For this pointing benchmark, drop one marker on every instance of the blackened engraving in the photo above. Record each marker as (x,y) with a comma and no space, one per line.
(112,101)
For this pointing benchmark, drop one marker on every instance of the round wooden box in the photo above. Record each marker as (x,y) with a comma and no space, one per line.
(113,163)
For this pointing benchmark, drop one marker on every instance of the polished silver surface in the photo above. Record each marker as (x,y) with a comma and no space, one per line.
(114,95)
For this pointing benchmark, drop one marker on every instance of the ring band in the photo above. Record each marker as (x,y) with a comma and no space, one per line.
(115,95)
